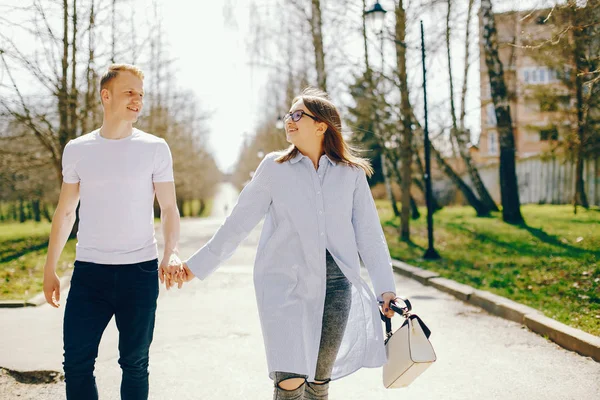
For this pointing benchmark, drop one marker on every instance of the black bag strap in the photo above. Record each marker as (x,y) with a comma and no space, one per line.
(404,312)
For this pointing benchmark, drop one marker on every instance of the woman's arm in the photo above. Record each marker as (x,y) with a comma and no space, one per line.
(372,246)
(253,203)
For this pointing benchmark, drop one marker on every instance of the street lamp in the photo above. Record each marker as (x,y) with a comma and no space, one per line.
(375,16)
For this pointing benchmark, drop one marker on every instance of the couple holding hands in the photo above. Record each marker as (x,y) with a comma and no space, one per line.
(320,320)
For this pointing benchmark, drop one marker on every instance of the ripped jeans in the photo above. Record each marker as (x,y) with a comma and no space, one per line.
(335,317)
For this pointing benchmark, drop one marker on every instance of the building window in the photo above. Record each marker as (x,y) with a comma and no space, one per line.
(549,134)
(542,75)
(492,143)
(539,75)
(491,115)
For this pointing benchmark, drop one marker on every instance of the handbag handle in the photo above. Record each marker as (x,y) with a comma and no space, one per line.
(405,312)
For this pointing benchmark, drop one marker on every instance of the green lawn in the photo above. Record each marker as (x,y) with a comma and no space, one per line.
(23,249)
(551,263)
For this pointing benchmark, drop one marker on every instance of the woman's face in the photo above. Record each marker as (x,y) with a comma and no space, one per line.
(301,129)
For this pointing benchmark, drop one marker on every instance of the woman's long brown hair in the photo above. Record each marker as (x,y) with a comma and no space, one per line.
(334,145)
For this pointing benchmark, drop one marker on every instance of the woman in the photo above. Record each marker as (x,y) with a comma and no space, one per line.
(319,319)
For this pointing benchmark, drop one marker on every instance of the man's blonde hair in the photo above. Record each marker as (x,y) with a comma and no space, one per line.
(114,70)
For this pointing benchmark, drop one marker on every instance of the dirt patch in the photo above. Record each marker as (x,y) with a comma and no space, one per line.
(34,377)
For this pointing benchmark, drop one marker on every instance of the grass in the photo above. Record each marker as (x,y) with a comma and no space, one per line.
(551,263)
(23,249)
(191,208)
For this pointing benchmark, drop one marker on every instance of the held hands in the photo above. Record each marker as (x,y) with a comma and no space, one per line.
(173,271)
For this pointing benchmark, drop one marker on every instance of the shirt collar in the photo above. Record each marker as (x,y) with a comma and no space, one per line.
(329,159)
(299,156)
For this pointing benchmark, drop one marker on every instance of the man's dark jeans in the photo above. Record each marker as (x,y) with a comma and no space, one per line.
(98,292)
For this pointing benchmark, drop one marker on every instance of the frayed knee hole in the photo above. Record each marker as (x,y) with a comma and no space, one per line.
(291,383)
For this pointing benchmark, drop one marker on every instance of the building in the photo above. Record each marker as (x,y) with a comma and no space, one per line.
(536,92)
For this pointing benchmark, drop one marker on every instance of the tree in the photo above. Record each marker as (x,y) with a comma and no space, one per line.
(459,133)
(509,189)
(406,126)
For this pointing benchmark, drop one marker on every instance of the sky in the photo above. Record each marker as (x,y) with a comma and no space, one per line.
(212,61)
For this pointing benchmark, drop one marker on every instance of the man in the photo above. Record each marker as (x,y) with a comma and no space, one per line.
(115,170)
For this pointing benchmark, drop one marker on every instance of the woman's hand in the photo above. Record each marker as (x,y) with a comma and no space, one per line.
(187,274)
(385,307)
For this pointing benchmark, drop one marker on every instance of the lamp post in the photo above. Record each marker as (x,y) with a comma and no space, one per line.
(375,17)
(430,253)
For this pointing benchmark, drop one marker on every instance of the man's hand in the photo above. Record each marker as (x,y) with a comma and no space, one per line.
(171,271)
(51,287)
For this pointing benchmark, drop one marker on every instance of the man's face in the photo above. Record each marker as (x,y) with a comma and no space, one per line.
(124,98)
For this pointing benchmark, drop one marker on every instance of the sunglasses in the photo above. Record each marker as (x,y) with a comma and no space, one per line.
(297,115)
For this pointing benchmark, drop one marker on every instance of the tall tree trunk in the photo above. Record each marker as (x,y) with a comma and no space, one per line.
(414,210)
(580,197)
(63,89)
(88,117)
(73,92)
(113,46)
(509,188)
(463,95)
(35,207)
(452,107)
(388,185)
(316,24)
(366,43)
(406,129)
(46,212)
(391,166)
(22,216)
(180,202)
(201,208)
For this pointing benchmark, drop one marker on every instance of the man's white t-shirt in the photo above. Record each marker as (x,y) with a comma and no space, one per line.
(116,194)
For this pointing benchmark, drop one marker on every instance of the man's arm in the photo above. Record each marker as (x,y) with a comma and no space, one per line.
(62,223)
(169,218)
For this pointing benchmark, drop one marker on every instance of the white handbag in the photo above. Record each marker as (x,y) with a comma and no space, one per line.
(409,352)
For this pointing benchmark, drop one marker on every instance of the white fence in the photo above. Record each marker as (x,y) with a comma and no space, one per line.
(541,181)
